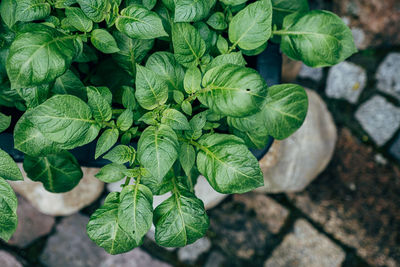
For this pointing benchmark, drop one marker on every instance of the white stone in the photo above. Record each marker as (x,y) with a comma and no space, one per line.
(290,165)
(60,204)
(191,253)
(388,75)
(8,260)
(314,74)
(359,37)
(379,118)
(346,81)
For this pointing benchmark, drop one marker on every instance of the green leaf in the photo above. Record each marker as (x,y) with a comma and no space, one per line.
(8,168)
(222,45)
(96,10)
(209,36)
(187,107)
(232,90)
(189,47)
(251,27)
(165,65)
(140,23)
(150,118)
(180,220)
(256,51)
(136,211)
(34,96)
(104,41)
(125,120)
(318,38)
(64,119)
(105,230)
(154,184)
(101,109)
(128,98)
(175,119)
(189,10)
(233,2)
(282,8)
(253,139)
(111,173)
(151,91)
(58,172)
(149,4)
(121,154)
(157,150)
(217,21)
(235,58)
(228,165)
(192,81)
(7,12)
(106,141)
(39,56)
(78,19)
(5,122)
(187,157)
(178,96)
(28,10)
(8,211)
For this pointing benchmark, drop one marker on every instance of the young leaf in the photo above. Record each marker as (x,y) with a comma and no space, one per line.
(104,41)
(140,23)
(189,10)
(192,80)
(106,141)
(282,8)
(105,230)
(28,10)
(8,168)
(39,56)
(189,47)
(157,150)
(5,122)
(8,211)
(78,19)
(251,27)
(128,98)
(209,36)
(121,154)
(187,157)
(178,97)
(136,211)
(111,173)
(96,10)
(228,165)
(186,213)
(232,90)
(58,172)
(151,91)
(175,119)
(217,21)
(125,120)
(101,109)
(187,107)
(64,119)
(318,38)
(150,118)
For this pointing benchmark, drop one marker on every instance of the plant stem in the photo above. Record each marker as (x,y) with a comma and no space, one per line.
(127,180)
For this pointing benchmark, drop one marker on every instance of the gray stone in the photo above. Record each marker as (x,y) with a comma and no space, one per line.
(31,224)
(387,75)
(215,259)
(8,260)
(395,149)
(290,165)
(379,118)
(314,74)
(191,253)
(346,81)
(87,191)
(305,247)
(134,258)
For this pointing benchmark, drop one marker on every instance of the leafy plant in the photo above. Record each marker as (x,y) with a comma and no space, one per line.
(169,76)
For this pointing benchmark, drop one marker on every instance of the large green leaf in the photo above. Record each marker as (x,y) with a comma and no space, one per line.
(69,84)
(180,220)
(78,19)
(151,91)
(175,119)
(189,47)
(251,27)
(282,8)
(58,172)
(233,2)
(105,230)
(104,41)
(39,55)
(235,58)
(111,173)
(232,90)
(64,119)
(5,122)
(189,10)
(96,10)
(8,168)
(135,211)
(318,38)
(121,154)
(106,141)
(34,96)
(158,150)
(140,23)
(7,12)
(228,165)
(8,210)
(28,10)
(101,109)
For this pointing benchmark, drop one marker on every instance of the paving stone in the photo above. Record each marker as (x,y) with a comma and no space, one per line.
(387,75)
(8,260)
(395,149)
(357,200)
(346,81)
(216,259)
(241,227)
(32,224)
(191,253)
(134,258)
(379,118)
(305,247)
(314,74)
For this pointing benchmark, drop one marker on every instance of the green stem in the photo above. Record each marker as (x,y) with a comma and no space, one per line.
(127,180)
